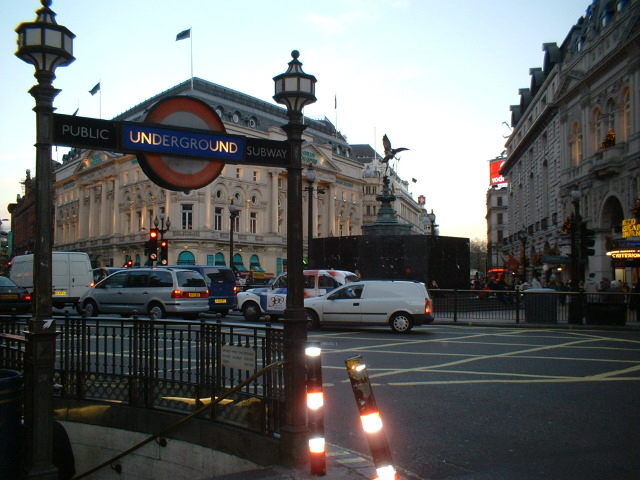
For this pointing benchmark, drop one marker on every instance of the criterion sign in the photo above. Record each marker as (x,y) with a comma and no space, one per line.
(181,145)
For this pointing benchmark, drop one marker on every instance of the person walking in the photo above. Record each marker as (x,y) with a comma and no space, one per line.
(535,281)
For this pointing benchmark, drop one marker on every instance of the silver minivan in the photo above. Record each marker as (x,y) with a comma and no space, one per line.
(157,292)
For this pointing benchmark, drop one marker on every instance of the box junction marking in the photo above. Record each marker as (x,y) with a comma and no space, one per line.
(181,145)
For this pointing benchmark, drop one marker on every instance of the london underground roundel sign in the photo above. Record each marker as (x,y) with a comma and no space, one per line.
(175,172)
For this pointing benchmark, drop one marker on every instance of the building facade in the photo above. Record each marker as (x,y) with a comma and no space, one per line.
(577,129)
(105,205)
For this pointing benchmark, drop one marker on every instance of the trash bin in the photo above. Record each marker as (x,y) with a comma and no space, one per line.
(10,424)
(540,305)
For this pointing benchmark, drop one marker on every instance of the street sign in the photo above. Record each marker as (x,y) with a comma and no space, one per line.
(84,132)
(182,144)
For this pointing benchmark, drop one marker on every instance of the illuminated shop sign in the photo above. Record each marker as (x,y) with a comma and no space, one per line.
(623,254)
(630,228)
(496,179)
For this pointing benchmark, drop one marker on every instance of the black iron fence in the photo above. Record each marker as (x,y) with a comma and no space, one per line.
(536,306)
(170,365)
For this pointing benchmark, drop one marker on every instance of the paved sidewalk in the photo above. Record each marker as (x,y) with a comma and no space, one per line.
(341,465)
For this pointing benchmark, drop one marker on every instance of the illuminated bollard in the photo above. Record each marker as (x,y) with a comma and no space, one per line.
(315,410)
(370,418)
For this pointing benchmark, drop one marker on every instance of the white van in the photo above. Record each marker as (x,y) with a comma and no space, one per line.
(400,304)
(71,275)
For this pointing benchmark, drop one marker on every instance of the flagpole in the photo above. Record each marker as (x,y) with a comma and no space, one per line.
(100,101)
(191,42)
(335,106)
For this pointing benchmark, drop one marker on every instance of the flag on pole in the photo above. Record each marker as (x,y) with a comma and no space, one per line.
(95,89)
(184,34)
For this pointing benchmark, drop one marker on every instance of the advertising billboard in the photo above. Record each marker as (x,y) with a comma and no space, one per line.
(497,180)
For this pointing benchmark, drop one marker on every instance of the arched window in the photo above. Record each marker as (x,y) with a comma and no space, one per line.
(611,116)
(597,129)
(186,258)
(575,143)
(219,260)
(238,264)
(626,115)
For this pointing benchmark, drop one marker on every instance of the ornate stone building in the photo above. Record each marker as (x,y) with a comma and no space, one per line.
(105,204)
(577,128)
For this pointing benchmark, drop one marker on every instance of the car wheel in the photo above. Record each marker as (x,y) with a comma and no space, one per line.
(251,311)
(313,322)
(91,308)
(401,323)
(156,310)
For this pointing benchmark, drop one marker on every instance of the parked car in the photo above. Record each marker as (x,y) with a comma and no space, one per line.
(223,289)
(71,275)
(13,296)
(401,304)
(155,291)
(272,300)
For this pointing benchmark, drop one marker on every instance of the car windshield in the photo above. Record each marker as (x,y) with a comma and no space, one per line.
(190,279)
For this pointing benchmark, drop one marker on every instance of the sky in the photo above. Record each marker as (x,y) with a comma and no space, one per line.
(437,77)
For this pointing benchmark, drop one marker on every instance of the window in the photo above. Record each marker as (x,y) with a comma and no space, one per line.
(238,172)
(626,115)
(219,260)
(575,143)
(500,219)
(210,260)
(499,201)
(217,219)
(158,278)
(187,216)
(255,175)
(597,129)
(253,222)
(186,258)
(236,222)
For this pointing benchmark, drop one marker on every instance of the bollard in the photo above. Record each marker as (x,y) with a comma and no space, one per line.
(315,413)
(370,418)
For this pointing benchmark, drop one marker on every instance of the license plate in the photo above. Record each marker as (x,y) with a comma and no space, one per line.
(221,300)
(194,294)
(59,292)
(8,296)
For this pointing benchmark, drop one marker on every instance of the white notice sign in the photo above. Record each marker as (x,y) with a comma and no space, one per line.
(242,358)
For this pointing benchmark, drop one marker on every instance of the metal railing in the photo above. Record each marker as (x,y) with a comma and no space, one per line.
(549,306)
(171,365)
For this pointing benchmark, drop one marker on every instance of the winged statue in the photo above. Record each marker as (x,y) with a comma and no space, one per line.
(390,153)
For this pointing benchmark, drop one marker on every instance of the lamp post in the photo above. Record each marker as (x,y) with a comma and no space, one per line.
(295,89)
(432,220)
(575,301)
(522,236)
(311,178)
(233,213)
(159,224)
(45,45)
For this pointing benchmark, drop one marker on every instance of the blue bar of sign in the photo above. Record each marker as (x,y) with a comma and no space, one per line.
(187,143)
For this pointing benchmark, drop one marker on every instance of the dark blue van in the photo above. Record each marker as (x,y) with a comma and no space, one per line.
(222,285)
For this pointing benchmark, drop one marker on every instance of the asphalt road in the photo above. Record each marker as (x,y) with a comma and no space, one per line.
(487,403)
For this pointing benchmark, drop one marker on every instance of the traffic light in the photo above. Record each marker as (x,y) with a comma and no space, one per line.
(587,241)
(164,252)
(151,247)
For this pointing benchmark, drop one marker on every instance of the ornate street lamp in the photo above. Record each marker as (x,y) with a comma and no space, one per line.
(164,246)
(432,219)
(295,89)
(311,178)
(522,236)
(233,213)
(45,45)
(575,301)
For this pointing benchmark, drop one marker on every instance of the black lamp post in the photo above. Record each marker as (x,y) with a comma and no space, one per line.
(45,45)
(432,220)
(159,224)
(233,213)
(295,89)
(522,236)
(575,301)
(311,178)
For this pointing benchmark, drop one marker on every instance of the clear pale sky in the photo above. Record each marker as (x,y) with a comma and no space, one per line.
(437,77)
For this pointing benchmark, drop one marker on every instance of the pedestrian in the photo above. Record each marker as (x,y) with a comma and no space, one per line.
(535,281)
